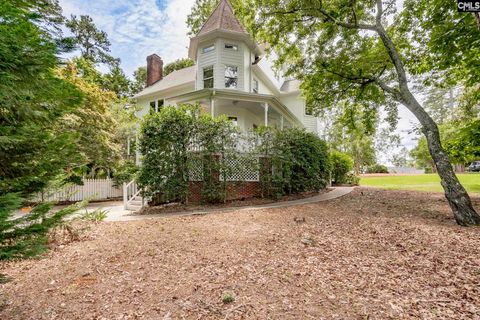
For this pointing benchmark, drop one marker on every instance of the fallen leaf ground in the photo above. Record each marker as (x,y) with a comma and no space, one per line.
(373,254)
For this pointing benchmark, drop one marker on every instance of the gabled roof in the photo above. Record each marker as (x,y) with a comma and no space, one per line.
(172,80)
(222,18)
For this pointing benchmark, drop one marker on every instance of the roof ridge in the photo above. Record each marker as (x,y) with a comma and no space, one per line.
(222,17)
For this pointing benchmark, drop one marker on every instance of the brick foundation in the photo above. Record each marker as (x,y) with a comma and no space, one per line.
(235,190)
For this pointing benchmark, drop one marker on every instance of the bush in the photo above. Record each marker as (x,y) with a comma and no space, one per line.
(293,161)
(124,173)
(377,168)
(341,165)
(352,179)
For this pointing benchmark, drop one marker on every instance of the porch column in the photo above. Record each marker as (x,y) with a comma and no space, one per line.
(265,106)
(212,107)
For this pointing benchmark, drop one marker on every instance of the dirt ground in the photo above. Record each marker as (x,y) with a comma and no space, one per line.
(373,254)
(178,207)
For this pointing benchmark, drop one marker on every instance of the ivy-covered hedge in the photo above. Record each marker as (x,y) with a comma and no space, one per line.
(175,141)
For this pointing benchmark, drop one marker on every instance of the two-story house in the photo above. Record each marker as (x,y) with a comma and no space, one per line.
(231,77)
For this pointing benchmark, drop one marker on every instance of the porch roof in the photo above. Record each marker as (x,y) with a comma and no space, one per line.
(240,96)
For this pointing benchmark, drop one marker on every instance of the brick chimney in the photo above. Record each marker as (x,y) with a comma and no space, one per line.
(154,69)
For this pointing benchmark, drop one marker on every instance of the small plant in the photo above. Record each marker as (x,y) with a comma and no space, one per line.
(228,297)
(96,215)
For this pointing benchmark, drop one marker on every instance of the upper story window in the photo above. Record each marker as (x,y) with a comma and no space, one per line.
(233,120)
(230,46)
(231,77)
(255,86)
(208,48)
(208,77)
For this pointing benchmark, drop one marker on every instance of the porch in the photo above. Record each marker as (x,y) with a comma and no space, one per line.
(248,111)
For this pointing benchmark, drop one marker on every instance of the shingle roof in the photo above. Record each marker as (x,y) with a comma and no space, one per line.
(222,18)
(176,78)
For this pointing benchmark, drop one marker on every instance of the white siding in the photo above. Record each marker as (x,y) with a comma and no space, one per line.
(234,58)
(222,57)
(206,60)
(310,123)
(295,104)
(262,87)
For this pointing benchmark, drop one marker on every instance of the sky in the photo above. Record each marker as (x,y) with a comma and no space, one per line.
(138,28)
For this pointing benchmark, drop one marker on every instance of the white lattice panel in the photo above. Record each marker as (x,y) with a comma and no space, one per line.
(242,169)
(195,172)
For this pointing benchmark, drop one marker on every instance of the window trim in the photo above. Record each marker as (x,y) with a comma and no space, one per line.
(225,77)
(233,119)
(234,47)
(208,48)
(209,78)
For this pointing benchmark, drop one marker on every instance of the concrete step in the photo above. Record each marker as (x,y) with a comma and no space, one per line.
(136,202)
(134,207)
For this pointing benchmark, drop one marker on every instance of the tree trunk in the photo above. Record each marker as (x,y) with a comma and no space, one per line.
(457,197)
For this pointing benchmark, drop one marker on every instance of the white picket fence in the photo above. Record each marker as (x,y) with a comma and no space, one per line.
(92,189)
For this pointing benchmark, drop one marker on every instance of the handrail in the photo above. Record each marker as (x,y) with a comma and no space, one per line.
(130,192)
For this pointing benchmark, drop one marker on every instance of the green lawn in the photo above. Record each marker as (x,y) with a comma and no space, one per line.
(422,182)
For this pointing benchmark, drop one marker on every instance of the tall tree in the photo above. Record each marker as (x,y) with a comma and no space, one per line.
(93,121)
(139,80)
(92,42)
(201,10)
(33,99)
(351,51)
(117,81)
(177,65)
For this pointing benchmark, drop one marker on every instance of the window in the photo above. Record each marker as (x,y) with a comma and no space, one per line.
(208,77)
(208,48)
(160,104)
(231,77)
(233,47)
(255,86)
(234,120)
(155,106)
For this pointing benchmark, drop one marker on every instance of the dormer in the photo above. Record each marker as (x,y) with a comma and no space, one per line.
(223,52)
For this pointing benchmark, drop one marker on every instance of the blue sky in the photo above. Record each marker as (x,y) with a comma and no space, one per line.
(137,28)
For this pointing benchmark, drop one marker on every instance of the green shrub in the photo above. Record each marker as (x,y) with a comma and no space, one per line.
(341,165)
(293,160)
(125,173)
(352,178)
(377,168)
(27,235)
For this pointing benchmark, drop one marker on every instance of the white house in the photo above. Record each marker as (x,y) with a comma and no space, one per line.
(231,77)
